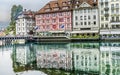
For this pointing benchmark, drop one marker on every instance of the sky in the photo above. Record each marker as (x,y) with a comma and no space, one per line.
(6,5)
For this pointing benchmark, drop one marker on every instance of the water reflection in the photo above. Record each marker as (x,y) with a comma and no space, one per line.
(65,58)
(86,57)
(24,57)
(110,58)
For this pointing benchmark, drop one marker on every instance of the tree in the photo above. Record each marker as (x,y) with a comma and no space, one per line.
(15,11)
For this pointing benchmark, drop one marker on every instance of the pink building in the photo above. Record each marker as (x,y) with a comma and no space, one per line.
(54,18)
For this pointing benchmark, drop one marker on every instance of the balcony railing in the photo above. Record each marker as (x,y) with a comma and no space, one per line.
(106,14)
(106,8)
(115,20)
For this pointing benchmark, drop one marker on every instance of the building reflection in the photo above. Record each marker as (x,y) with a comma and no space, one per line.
(57,56)
(79,58)
(86,57)
(110,58)
(24,57)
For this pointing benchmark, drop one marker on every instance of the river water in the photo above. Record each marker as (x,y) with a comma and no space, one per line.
(78,58)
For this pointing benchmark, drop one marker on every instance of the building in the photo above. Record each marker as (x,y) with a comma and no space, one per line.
(25,23)
(55,18)
(85,19)
(109,18)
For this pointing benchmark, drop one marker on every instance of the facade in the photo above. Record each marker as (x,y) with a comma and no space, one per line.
(54,18)
(25,23)
(109,18)
(85,19)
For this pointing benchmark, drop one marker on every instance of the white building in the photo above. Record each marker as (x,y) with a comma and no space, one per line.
(25,23)
(85,19)
(109,18)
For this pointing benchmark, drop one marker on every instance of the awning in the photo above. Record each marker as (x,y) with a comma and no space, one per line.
(110,32)
(57,31)
(90,31)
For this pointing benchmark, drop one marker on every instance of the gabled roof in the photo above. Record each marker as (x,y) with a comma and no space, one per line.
(55,4)
(65,3)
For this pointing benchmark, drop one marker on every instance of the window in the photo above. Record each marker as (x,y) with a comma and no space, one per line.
(94,22)
(60,14)
(84,17)
(76,18)
(61,19)
(54,21)
(102,18)
(53,15)
(106,18)
(47,15)
(81,11)
(94,10)
(102,12)
(88,10)
(68,13)
(84,10)
(102,25)
(77,57)
(88,17)
(68,19)
(117,18)
(112,6)
(85,23)
(94,17)
(81,18)
(81,23)
(112,19)
(76,23)
(117,5)
(106,25)
(88,23)
(117,11)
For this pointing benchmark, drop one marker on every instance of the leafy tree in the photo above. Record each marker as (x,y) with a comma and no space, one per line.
(15,10)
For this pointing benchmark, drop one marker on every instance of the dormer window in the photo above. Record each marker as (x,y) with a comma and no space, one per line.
(65,8)
(64,3)
(56,4)
(56,9)
(77,2)
(69,2)
(47,10)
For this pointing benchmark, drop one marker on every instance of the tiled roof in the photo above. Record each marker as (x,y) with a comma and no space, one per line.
(29,14)
(59,4)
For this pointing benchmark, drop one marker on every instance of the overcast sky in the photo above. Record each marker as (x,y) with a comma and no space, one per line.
(6,5)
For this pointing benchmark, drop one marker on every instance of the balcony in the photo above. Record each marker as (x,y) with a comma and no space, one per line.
(115,22)
(106,8)
(106,2)
(101,3)
(106,14)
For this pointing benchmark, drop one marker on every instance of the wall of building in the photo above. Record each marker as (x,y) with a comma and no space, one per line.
(57,21)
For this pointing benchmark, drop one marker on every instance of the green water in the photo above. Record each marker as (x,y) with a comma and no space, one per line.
(60,59)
